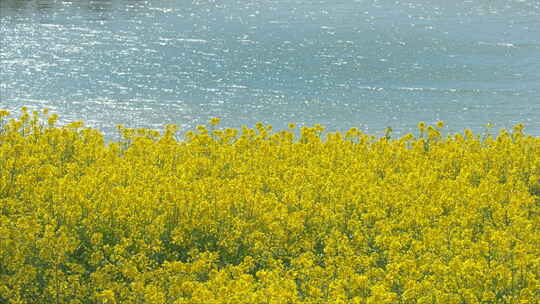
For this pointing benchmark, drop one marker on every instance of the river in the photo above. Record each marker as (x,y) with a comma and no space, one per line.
(366,63)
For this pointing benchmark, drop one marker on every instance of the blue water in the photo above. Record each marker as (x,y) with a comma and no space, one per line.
(364,63)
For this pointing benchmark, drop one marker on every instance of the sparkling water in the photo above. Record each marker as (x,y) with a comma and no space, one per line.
(365,63)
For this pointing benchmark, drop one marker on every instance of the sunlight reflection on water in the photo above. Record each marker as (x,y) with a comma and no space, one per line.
(366,64)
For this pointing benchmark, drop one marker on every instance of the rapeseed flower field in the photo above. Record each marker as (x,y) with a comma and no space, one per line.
(254,215)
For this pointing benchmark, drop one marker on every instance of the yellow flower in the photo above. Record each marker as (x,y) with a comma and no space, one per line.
(75,124)
(319,128)
(214,121)
(202,129)
(52,119)
(106,297)
(266,217)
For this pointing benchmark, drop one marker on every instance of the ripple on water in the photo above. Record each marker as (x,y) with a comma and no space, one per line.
(359,63)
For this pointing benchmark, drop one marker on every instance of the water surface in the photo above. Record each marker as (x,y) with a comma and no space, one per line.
(365,63)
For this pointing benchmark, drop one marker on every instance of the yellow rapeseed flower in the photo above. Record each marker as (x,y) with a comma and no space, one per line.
(214,121)
(249,216)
